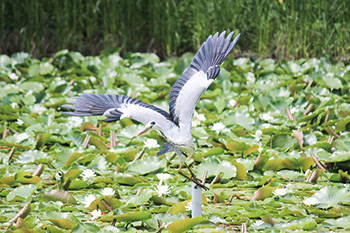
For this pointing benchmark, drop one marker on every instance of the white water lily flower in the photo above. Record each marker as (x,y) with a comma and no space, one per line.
(163,177)
(21,137)
(257,135)
(151,143)
(266,117)
(232,102)
(250,77)
(87,174)
(188,207)
(284,93)
(88,200)
(162,190)
(95,214)
(107,192)
(198,119)
(311,201)
(280,192)
(201,117)
(37,108)
(219,127)
(195,123)
(257,223)
(15,105)
(13,76)
(57,176)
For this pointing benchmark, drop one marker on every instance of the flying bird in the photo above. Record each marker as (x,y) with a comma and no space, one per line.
(175,126)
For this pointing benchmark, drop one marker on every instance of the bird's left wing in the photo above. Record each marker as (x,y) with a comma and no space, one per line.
(202,71)
(116,107)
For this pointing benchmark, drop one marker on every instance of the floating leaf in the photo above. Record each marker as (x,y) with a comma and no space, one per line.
(328,196)
(343,222)
(299,136)
(263,193)
(9,180)
(31,156)
(96,141)
(63,223)
(144,196)
(242,147)
(239,118)
(179,207)
(183,225)
(282,141)
(24,191)
(78,184)
(133,216)
(24,212)
(74,157)
(241,171)
(58,195)
(147,165)
(105,204)
(329,82)
(304,224)
(128,179)
(214,166)
(25,177)
(267,219)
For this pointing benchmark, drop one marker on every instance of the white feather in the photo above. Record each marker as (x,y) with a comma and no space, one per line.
(189,96)
(145,115)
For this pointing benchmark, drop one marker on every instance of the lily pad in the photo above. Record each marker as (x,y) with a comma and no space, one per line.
(147,165)
(214,166)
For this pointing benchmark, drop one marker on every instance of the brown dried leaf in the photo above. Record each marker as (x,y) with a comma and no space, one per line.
(289,115)
(299,136)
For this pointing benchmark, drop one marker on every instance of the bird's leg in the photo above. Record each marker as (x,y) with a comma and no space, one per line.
(193,178)
(192,174)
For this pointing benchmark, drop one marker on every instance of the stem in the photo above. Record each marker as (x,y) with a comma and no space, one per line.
(196,200)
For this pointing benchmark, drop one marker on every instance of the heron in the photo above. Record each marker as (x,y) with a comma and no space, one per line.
(174,126)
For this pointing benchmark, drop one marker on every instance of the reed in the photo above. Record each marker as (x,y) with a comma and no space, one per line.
(279,29)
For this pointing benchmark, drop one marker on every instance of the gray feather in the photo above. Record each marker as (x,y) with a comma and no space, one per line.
(98,104)
(167,147)
(208,59)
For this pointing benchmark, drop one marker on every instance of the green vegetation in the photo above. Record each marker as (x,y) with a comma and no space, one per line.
(282,30)
(274,138)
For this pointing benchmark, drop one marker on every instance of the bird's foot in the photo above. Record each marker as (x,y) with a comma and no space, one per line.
(194,179)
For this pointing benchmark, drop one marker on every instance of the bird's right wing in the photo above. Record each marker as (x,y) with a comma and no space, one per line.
(116,107)
(203,69)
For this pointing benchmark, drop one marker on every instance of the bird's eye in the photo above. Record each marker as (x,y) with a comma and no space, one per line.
(153,123)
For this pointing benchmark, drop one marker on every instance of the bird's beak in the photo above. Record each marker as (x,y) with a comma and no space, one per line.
(144,131)
(148,127)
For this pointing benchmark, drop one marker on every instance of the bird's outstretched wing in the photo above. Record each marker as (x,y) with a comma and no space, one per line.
(116,107)
(203,69)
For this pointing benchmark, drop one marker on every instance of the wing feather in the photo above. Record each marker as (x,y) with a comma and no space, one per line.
(203,69)
(116,107)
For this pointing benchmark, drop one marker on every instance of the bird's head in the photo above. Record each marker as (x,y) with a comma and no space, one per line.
(147,128)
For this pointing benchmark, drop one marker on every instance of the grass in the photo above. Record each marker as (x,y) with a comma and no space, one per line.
(279,29)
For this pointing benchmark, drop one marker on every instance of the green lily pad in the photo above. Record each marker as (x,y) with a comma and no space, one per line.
(214,166)
(133,216)
(58,195)
(184,225)
(147,165)
(24,191)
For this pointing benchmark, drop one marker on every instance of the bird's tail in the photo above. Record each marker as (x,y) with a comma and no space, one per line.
(97,104)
